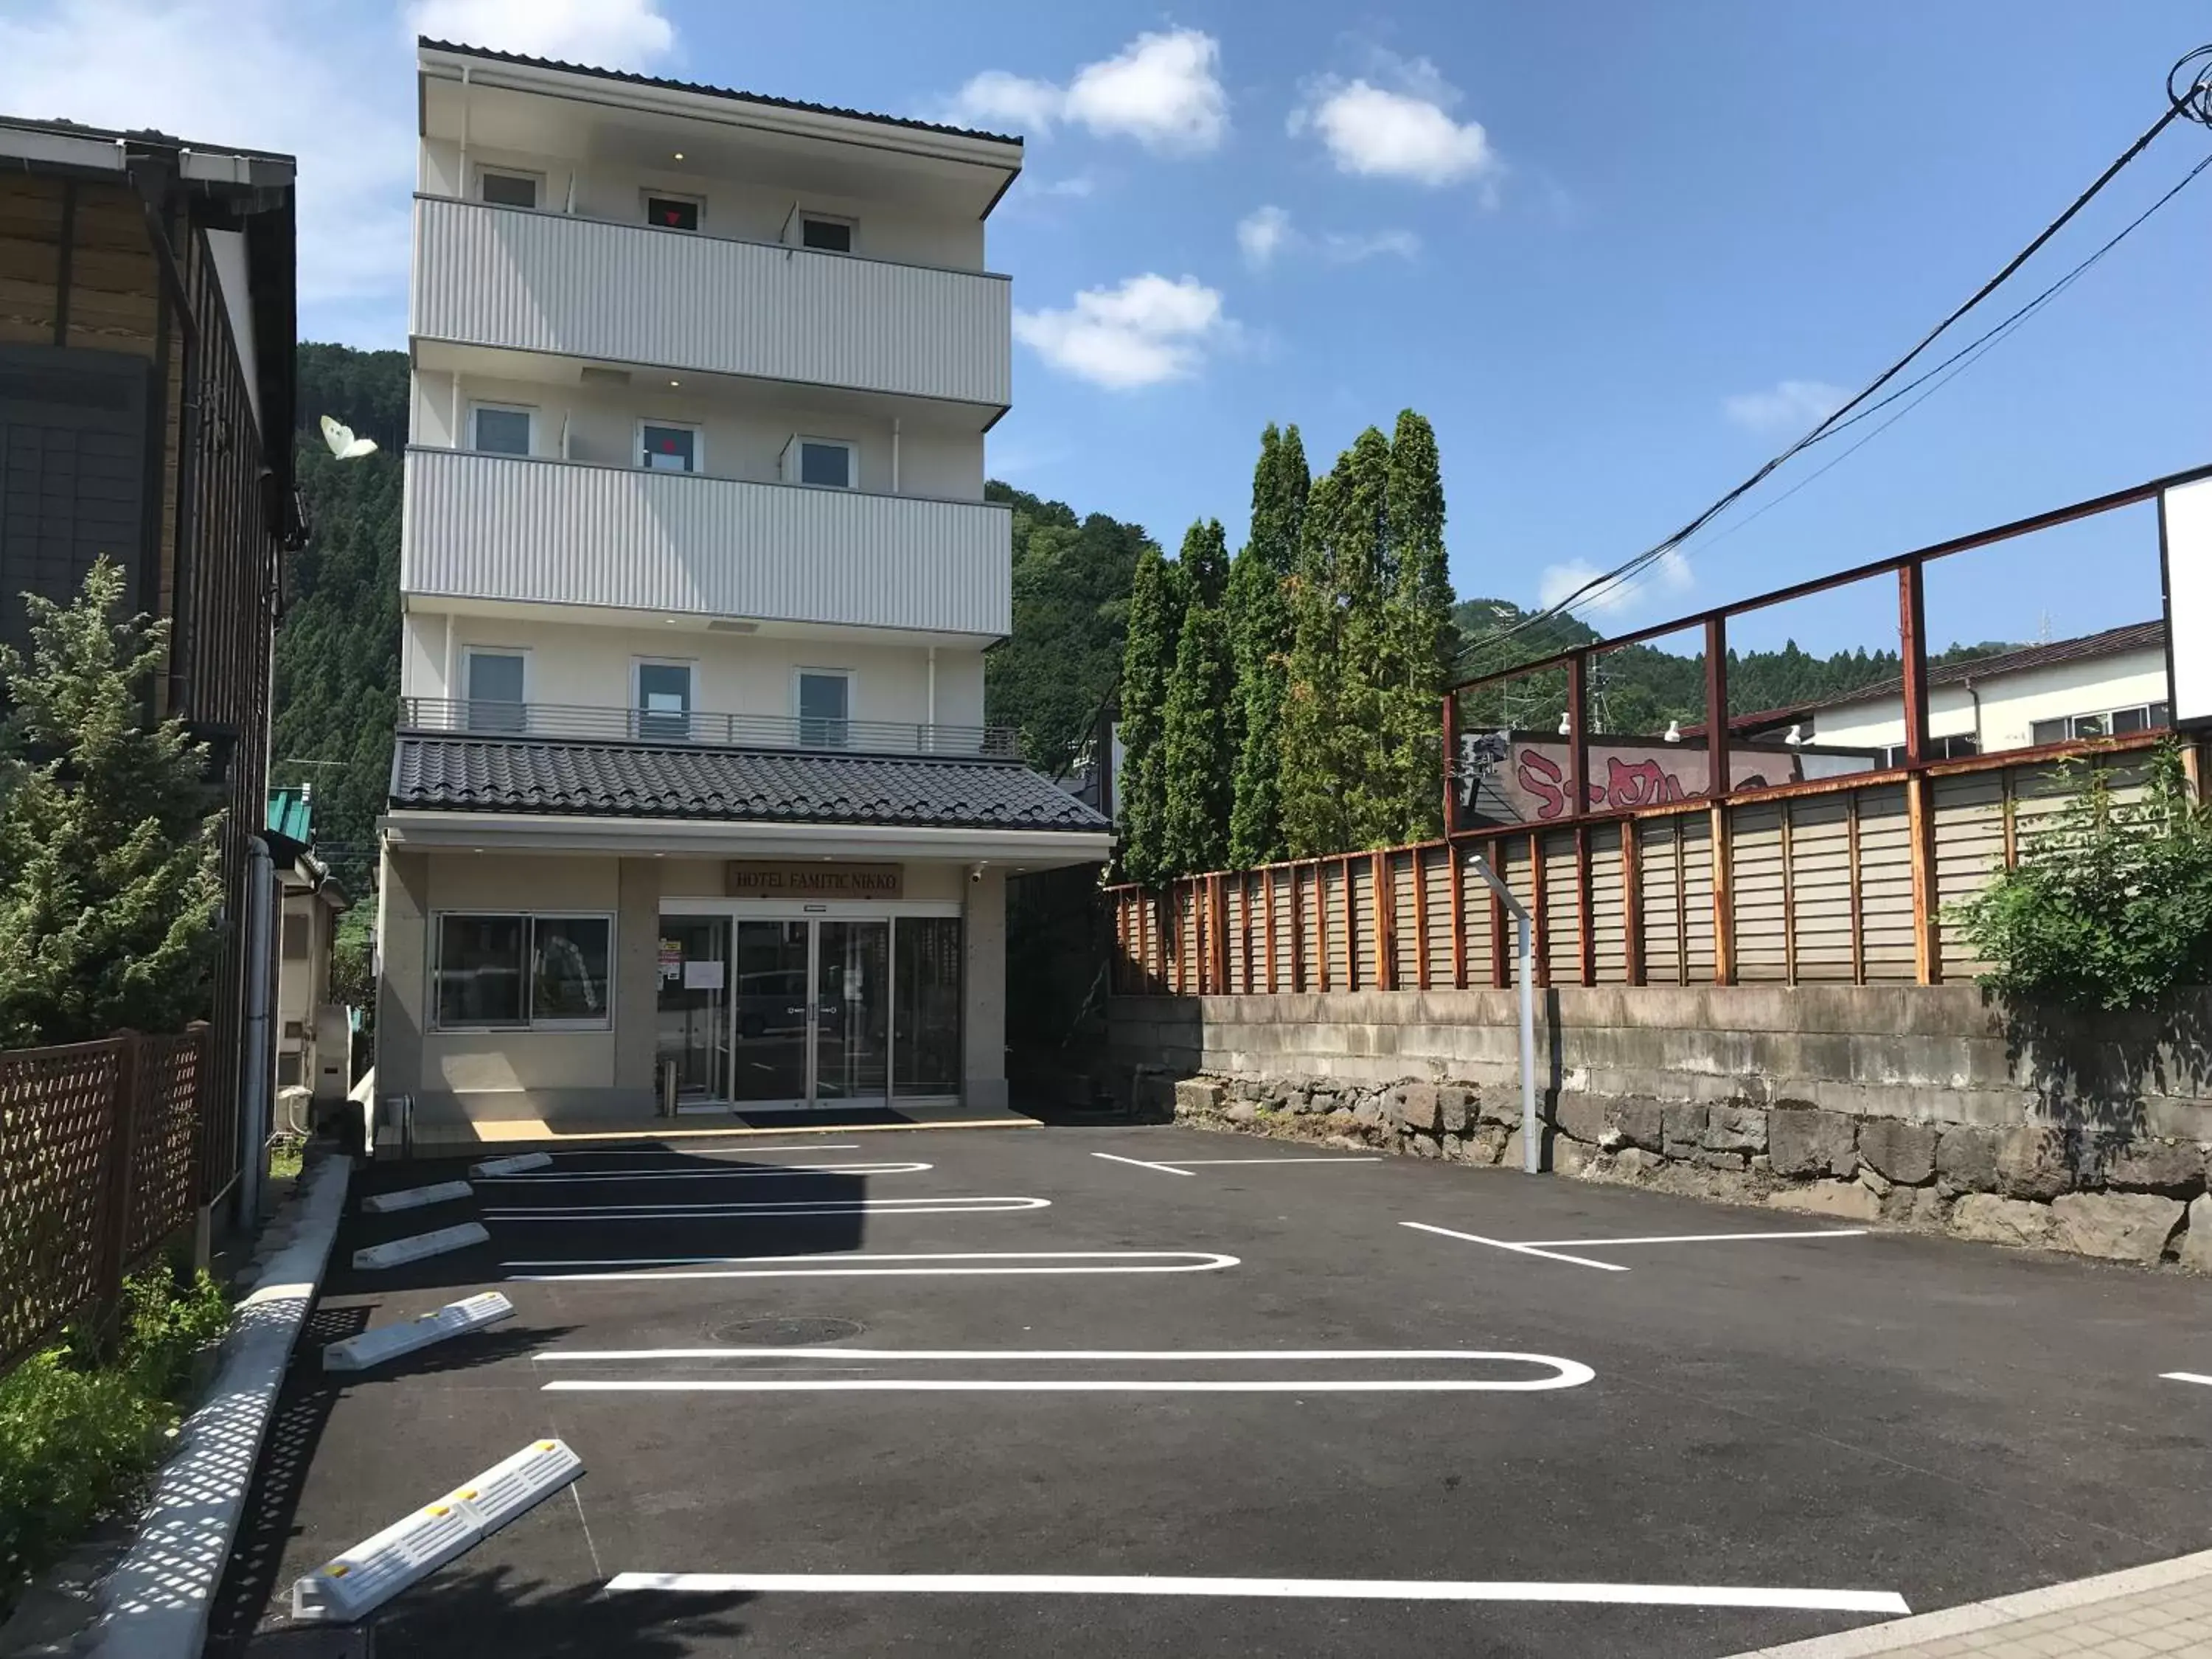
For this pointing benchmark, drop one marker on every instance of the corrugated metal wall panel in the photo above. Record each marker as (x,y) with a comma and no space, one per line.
(1659,860)
(1364,923)
(1698,895)
(1330,920)
(631,294)
(1969,838)
(1436,887)
(1820,875)
(1609,938)
(1562,924)
(1475,902)
(1885,885)
(1755,872)
(1282,879)
(563,532)
(1405,932)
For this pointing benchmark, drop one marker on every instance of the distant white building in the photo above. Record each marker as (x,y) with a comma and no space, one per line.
(698,575)
(2098,685)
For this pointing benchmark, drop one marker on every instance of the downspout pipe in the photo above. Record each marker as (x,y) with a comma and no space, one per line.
(258,1066)
(1525,953)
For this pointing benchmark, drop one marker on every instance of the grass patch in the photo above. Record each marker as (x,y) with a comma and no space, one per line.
(82,1430)
(285,1157)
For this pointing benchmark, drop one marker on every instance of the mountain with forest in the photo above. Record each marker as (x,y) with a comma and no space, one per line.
(1640,688)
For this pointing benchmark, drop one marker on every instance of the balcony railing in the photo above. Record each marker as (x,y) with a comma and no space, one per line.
(534,281)
(529,531)
(586,724)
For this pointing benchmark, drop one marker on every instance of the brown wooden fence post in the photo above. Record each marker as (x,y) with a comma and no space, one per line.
(1586,967)
(1458,915)
(1421,918)
(114,1226)
(1631,903)
(1719,775)
(1538,910)
(1919,812)
(1382,893)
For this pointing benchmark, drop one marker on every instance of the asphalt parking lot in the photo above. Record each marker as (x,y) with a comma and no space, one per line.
(1007,1391)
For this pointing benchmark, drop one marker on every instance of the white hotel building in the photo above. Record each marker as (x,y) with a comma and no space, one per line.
(698,576)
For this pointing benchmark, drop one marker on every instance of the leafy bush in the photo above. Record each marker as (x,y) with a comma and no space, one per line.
(2111,905)
(80,1433)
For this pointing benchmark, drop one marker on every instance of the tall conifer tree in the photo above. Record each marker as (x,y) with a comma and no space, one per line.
(1148,657)
(1419,630)
(1198,734)
(1260,640)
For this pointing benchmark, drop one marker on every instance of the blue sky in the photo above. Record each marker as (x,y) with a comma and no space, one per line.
(1617,252)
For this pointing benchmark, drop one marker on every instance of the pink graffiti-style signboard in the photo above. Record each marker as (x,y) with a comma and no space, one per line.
(1504,778)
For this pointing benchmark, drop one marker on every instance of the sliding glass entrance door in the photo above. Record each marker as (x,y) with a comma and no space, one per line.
(852,1010)
(813,1011)
(772,1006)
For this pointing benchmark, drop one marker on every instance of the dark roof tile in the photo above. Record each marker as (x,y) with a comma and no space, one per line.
(639,781)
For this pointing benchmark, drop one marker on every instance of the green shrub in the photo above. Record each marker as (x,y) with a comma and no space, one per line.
(80,1432)
(2110,905)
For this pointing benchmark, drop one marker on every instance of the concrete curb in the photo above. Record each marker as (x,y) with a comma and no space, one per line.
(156,1603)
(1901,1634)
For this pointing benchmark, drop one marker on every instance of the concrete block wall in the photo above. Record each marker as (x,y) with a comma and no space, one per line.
(1920,1107)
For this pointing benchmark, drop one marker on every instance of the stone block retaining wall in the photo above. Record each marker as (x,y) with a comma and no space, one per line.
(1918,1108)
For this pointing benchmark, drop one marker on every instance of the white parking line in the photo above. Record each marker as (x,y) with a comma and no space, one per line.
(1523,1249)
(1085,1356)
(1347,1589)
(745,1146)
(2186,1377)
(1698,1238)
(731,1267)
(1565,1379)
(1164,1169)
(1207,1163)
(844,1206)
(734,1172)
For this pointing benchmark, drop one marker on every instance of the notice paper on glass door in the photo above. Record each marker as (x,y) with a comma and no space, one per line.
(702,975)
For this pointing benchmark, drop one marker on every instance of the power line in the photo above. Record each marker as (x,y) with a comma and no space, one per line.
(2193,104)
(1965,357)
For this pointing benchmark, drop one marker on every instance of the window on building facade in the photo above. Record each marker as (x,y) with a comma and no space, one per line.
(507,189)
(664,447)
(501,428)
(523,970)
(830,236)
(664,702)
(494,686)
(825,697)
(826,463)
(296,938)
(672,212)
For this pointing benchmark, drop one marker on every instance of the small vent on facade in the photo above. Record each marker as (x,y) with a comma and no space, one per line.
(732,625)
(594,376)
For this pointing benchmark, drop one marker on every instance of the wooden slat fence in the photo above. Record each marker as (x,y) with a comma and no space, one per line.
(1818,884)
(98,1166)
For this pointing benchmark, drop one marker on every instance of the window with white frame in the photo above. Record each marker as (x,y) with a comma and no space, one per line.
(669,446)
(669,211)
(2112,722)
(825,233)
(496,684)
(825,463)
(502,428)
(824,700)
(504,187)
(517,970)
(662,700)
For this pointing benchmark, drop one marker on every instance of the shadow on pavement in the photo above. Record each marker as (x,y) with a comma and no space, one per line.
(473,1613)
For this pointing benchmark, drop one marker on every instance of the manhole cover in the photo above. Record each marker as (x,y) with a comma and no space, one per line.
(787,1333)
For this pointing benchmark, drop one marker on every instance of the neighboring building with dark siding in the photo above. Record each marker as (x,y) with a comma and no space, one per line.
(146,320)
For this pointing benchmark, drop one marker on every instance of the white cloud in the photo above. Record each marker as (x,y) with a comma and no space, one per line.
(1160,89)
(1266,233)
(606,33)
(1147,331)
(1077,184)
(1790,408)
(1261,234)
(1400,130)
(1670,573)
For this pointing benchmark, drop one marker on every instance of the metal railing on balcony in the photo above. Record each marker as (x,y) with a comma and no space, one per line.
(583,723)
